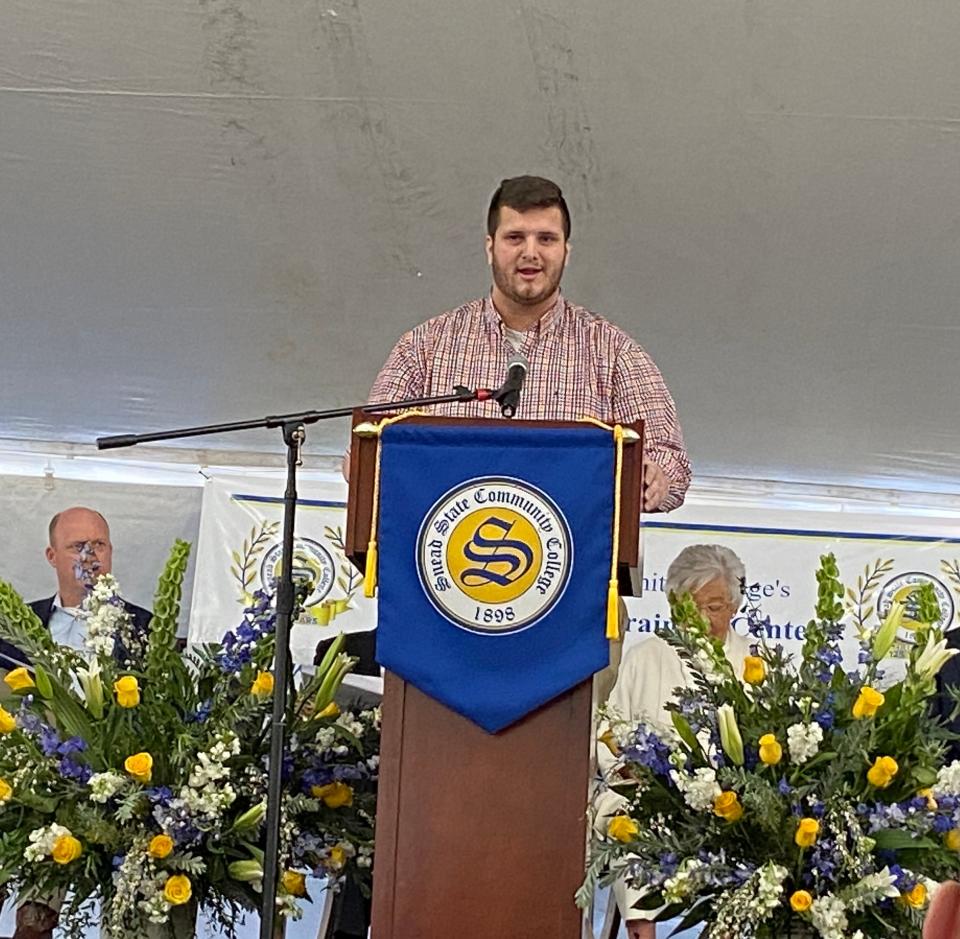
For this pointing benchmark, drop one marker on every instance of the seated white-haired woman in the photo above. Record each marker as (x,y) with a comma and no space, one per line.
(651,670)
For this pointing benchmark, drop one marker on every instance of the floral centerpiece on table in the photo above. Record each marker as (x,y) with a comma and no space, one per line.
(136,775)
(795,798)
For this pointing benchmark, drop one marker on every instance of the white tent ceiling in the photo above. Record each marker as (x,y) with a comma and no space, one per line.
(220,209)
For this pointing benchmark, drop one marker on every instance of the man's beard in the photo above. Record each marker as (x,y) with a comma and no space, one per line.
(508,288)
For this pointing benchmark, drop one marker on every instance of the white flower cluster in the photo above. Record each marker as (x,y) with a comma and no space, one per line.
(803,741)
(948,780)
(42,841)
(700,789)
(103,615)
(680,886)
(350,724)
(829,917)
(137,886)
(207,793)
(104,786)
(365,858)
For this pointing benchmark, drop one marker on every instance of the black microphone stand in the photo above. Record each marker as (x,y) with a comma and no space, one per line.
(293,427)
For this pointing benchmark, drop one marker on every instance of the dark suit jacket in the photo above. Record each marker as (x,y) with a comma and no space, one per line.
(942,704)
(11,657)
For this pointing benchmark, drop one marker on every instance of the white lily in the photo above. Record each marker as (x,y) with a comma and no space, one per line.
(887,633)
(92,686)
(934,656)
(730,737)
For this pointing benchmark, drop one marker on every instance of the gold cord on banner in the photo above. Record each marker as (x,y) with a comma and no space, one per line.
(613,593)
(366,430)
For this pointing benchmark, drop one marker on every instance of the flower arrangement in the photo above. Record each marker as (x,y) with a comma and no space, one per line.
(795,798)
(136,775)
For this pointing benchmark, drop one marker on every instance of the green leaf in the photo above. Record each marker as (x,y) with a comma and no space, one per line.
(894,839)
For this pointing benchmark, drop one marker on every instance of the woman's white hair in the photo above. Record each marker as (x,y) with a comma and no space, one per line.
(698,564)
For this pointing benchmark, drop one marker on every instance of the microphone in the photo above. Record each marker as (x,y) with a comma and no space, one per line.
(509,394)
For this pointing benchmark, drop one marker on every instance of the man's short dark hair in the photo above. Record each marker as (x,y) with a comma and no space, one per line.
(524,193)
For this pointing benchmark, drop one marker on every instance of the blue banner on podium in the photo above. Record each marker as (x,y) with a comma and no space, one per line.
(495,550)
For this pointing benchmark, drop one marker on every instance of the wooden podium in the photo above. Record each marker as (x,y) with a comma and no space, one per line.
(481,836)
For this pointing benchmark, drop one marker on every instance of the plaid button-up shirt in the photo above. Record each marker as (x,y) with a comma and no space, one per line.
(581,365)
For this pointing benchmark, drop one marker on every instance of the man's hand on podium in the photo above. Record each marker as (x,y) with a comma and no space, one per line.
(656,485)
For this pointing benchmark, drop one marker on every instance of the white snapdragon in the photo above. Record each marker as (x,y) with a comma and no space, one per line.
(104,786)
(42,841)
(803,741)
(700,789)
(770,887)
(829,917)
(948,780)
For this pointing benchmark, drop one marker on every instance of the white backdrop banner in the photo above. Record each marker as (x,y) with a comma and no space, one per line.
(880,557)
(239,552)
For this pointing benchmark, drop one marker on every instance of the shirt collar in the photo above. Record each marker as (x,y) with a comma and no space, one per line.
(544,325)
(73,611)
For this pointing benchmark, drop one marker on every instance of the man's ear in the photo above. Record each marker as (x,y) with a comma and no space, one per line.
(50,555)
(489,248)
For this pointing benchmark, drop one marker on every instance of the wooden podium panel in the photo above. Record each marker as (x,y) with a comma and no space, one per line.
(480,836)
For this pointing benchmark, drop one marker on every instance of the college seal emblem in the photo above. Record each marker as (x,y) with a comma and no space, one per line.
(901,588)
(311,561)
(494,555)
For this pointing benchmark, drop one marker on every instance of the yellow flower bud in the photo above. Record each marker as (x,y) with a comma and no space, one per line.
(127,690)
(331,710)
(334,795)
(882,772)
(928,795)
(754,670)
(262,686)
(139,766)
(338,857)
(8,723)
(6,790)
(622,828)
(800,900)
(294,883)
(916,897)
(868,702)
(19,679)
(771,752)
(177,890)
(66,849)
(807,831)
(952,839)
(727,806)
(608,739)
(160,846)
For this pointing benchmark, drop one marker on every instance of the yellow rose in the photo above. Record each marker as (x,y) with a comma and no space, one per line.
(754,671)
(338,857)
(160,846)
(66,849)
(771,752)
(331,710)
(952,839)
(727,806)
(128,691)
(623,828)
(177,890)
(294,883)
(262,686)
(807,831)
(8,723)
(139,766)
(800,900)
(334,795)
(6,790)
(882,772)
(868,702)
(19,679)
(917,897)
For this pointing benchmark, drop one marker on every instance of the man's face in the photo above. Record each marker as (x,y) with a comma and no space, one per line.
(527,253)
(80,551)
(713,600)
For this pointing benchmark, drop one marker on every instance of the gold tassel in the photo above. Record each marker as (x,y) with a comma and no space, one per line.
(370,573)
(613,611)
